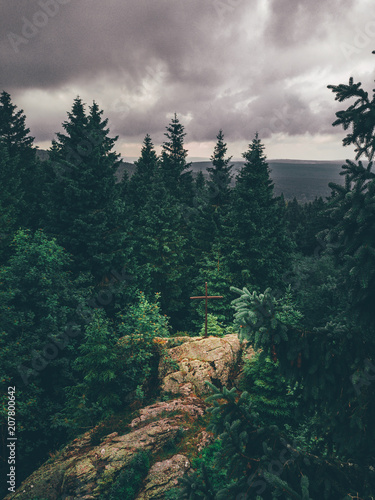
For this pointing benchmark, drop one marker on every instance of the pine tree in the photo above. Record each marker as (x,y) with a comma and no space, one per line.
(352,206)
(13,131)
(269,394)
(201,224)
(177,179)
(160,248)
(9,201)
(259,248)
(218,194)
(24,170)
(219,174)
(200,182)
(84,210)
(141,182)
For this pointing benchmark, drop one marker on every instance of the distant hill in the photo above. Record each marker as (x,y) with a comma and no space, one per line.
(302,179)
(43,155)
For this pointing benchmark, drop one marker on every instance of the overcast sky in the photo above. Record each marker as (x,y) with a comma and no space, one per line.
(237,65)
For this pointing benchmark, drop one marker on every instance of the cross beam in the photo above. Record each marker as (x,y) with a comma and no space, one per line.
(206,297)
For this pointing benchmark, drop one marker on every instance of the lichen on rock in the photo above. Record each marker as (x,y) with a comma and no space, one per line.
(163,476)
(199,360)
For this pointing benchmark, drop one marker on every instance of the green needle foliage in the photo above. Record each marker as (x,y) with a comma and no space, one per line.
(141,182)
(213,327)
(173,166)
(21,174)
(139,327)
(303,427)
(270,395)
(260,462)
(96,395)
(219,174)
(83,208)
(258,248)
(39,335)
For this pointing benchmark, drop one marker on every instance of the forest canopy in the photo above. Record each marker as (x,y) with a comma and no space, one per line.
(87,261)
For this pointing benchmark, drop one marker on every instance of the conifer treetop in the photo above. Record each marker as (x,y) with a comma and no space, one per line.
(359,117)
(174,146)
(13,130)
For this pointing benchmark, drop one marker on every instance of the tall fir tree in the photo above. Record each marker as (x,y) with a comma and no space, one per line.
(201,222)
(219,192)
(219,174)
(13,131)
(84,209)
(26,171)
(160,248)
(141,182)
(259,247)
(174,168)
(10,207)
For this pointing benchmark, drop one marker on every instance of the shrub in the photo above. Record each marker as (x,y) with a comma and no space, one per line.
(138,327)
(214,327)
(130,479)
(269,394)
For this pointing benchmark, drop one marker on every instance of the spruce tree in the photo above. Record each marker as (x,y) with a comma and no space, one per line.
(24,170)
(201,223)
(10,208)
(13,131)
(259,248)
(218,193)
(160,248)
(177,179)
(141,182)
(219,174)
(84,210)
(352,206)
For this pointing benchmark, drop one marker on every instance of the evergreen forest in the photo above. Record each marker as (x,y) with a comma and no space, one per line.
(87,259)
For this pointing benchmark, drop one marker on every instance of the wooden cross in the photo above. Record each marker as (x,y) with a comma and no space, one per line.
(206,297)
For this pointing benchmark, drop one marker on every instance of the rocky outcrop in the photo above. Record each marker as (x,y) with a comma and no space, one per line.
(187,367)
(163,476)
(86,471)
(83,471)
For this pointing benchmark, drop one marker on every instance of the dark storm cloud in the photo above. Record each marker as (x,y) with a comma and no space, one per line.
(293,21)
(233,64)
(88,38)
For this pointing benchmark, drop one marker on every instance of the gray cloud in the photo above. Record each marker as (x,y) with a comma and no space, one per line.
(231,64)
